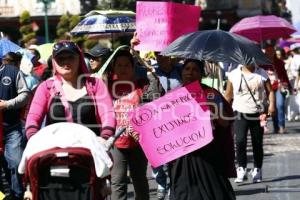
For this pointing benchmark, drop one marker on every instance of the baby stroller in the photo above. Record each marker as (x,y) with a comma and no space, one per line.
(74,166)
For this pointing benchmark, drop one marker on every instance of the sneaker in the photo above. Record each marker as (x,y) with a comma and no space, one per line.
(161,193)
(241,175)
(256,175)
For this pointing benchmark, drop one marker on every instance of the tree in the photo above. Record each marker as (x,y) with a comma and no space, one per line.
(90,43)
(62,28)
(28,34)
(117,5)
(66,23)
(74,20)
(88,5)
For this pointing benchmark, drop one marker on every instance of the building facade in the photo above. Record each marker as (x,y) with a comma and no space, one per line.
(10,10)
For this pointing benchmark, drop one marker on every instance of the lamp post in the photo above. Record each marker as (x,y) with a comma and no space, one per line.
(46,3)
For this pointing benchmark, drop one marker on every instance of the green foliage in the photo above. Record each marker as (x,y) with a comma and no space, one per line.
(128,4)
(60,32)
(65,25)
(124,4)
(28,37)
(118,5)
(105,4)
(63,21)
(90,43)
(78,40)
(26,28)
(75,19)
(25,18)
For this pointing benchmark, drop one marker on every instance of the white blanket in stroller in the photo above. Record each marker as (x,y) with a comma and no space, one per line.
(64,135)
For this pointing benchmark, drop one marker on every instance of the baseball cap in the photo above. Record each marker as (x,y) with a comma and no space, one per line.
(65,46)
(98,51)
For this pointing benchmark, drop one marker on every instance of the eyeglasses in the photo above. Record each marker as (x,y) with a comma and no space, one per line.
(66,45)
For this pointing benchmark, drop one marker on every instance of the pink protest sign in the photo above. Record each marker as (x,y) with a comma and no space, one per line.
(160,23)
(173,125)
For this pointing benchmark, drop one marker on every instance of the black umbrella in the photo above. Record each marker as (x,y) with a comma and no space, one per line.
(217,46)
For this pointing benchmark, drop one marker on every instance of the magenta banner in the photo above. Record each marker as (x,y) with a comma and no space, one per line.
(160,23)
(173,125)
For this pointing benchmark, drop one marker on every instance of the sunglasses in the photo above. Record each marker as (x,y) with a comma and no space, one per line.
(65,45)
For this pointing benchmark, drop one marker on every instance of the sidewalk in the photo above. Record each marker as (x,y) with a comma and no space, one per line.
(281,170)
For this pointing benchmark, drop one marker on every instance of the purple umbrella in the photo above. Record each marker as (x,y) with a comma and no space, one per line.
(261,28)
(288,42)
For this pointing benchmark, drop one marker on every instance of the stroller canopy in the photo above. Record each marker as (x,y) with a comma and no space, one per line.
(65,135)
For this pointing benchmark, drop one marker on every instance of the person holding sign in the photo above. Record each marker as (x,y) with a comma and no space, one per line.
(169,77)
(203,174)
(128,93)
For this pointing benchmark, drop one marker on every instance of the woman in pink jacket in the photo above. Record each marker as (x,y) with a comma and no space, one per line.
(71,95)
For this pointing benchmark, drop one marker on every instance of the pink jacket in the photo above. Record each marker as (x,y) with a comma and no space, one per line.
(96,89)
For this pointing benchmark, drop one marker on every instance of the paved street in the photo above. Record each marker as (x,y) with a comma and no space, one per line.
(281,170)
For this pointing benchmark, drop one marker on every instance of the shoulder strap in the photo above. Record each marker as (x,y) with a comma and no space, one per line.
(243,77)
(91,85)
(51,92)
(55,89)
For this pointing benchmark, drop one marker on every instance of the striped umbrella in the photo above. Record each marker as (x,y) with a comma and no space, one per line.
(111,21)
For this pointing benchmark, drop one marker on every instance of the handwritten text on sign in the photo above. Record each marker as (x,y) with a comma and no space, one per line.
(160,23)
(173,125)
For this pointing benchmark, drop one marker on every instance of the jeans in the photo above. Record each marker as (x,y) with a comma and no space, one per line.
(137,162)
(244,122)
(279,118)
(13,151)
(160,177)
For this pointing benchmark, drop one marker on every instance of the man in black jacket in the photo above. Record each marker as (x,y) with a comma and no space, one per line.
(14,95)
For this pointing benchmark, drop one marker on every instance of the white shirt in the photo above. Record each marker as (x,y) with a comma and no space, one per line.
(242,100)
(295,65)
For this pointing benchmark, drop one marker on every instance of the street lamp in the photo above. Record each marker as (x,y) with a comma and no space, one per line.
(46,3)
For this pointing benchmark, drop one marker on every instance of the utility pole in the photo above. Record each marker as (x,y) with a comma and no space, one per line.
(46,3)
